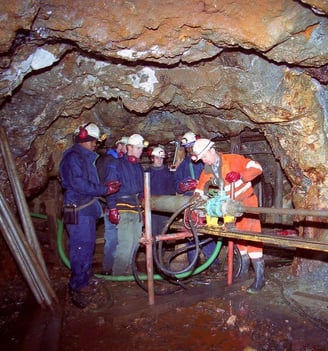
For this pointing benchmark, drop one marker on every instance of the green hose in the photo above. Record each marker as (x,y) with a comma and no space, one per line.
(122,278)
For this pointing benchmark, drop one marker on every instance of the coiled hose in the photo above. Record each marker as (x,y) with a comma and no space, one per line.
(179,275)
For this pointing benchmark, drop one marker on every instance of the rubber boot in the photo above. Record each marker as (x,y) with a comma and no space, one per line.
(245,262)
(258,265)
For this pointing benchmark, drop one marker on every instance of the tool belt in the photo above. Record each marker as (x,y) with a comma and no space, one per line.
(71,211)
(132,197)
(130,203)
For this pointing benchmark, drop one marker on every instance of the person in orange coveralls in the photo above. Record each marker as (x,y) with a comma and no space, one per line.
(235,171)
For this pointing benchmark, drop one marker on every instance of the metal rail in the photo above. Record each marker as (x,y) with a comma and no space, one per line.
(284,211)
(170,203)
(267,238)
(277,240)
(174,203)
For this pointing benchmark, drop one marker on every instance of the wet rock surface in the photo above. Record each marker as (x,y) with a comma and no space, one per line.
(203,313)
(288,314)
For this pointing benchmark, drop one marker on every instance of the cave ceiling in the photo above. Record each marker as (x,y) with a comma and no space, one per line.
(160,68)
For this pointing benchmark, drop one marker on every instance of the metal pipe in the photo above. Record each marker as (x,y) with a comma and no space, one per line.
(278,201)
(230,262)
(20,198)
(18,254)
(15,240)
(171,203)
(287,211)
(168,203)
(230,242)
(30,263)
(260,193)
(148,240)
(25,256)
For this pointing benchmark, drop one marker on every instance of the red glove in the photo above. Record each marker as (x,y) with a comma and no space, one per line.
(232,177)
(188,185)
(113,187)
(114,216)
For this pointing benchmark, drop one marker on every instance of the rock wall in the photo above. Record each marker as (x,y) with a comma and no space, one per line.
(160,68)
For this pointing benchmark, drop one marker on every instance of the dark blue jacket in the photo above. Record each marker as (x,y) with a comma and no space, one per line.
(113,153)
(183,172)
(105,162)
(79,176)
(131,176)
(161,181)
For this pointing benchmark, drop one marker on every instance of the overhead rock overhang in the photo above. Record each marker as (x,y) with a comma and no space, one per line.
(161,68)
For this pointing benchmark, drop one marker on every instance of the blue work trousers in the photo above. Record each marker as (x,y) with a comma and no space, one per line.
(82,240)
(158,222)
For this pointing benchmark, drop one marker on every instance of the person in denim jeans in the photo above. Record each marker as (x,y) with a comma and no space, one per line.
(124,207)
(104,163)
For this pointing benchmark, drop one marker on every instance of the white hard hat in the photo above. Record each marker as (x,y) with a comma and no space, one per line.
(158,151)
(122,140)
(188,138)
(200,147)
(87,132)
(137,140)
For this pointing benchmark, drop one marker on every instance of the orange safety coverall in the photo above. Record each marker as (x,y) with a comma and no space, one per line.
(243,192)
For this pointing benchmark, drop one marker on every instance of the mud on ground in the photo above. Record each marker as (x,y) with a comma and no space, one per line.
(288,314)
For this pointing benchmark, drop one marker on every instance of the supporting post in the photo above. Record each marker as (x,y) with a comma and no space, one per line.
(278,201)
(230,242)
(234,149)
(149,240)
(230,262)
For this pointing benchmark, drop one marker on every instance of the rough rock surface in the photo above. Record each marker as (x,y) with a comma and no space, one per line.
(162,67)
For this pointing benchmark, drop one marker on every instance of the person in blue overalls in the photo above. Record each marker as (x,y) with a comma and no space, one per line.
(161,183)
(81,185)
(186,180)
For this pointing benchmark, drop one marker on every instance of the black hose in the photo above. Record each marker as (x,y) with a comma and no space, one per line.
(144,286)
(191,266)
(186,249)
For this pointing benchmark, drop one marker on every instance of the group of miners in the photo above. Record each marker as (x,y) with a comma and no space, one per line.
(117,178)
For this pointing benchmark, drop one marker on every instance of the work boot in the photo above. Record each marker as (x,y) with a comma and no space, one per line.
(245,262)
(80,299)
(83,297)
(258,265)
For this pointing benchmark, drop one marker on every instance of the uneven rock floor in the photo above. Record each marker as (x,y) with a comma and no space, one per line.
(288,314)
